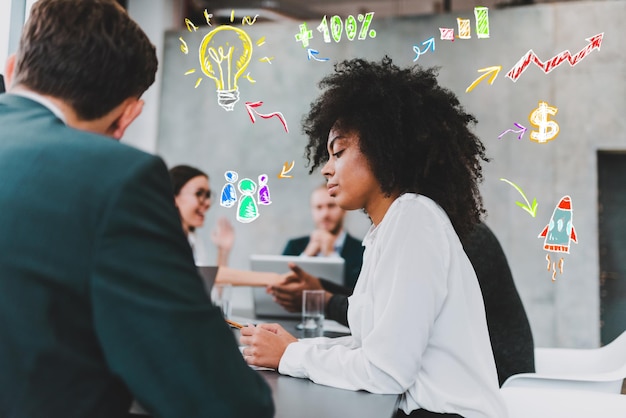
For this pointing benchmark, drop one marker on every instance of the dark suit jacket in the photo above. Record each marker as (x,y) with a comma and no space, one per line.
(352,252)
(509,329)
(100,300)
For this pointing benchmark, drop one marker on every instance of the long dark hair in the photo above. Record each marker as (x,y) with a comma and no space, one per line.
(181,174)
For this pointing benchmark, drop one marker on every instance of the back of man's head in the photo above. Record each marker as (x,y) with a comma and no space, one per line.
(88,53)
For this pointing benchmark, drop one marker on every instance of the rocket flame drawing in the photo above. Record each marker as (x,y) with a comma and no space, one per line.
(559,233)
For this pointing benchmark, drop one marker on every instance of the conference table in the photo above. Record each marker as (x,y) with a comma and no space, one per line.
(302,398)
(294,397)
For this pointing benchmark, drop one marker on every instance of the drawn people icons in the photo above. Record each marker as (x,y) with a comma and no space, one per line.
(229,194)
(264,191)
(250,196)
(247,211)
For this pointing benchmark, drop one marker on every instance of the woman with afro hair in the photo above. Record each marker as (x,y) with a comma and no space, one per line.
(394,143)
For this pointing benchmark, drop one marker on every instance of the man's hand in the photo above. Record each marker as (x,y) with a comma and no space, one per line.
(288,293)
(321,241)
(266,344)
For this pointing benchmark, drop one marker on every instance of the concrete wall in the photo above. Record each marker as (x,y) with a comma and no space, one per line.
(193,129)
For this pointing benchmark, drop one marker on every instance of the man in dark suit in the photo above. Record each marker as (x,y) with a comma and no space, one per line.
(100,301)
(328,239)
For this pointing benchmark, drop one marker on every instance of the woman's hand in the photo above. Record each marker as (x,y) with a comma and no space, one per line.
(223,236)
(266,344)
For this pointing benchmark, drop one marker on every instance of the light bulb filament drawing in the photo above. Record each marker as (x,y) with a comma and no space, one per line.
(224,55)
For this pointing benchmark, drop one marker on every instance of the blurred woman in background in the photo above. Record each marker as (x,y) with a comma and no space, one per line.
(192,195)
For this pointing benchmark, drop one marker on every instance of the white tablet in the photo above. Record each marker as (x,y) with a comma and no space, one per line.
(329,268)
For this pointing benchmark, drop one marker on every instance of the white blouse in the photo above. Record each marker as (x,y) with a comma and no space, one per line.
(417,320)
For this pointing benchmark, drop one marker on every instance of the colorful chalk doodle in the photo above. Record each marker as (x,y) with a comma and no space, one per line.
(247,208)
(285,170)
(559,233)
(465,28)
(247,211)
(334,27)
(224,55)
(266,59)
(547,66)
(531,209)
(263,197)
(491,72)
(250,106)
(447,34)
(229,194)
(548,129)
(521,132)
(481,16)
(312,53)
(428,43)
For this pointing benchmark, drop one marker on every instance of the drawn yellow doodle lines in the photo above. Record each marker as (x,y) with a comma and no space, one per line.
(490,73)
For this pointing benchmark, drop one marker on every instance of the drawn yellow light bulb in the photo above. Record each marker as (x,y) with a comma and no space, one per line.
(224,55)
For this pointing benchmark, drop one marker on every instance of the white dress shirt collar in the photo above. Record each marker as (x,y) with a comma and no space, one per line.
(36,97)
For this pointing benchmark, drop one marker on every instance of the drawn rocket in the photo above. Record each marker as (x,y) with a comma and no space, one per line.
(560,230)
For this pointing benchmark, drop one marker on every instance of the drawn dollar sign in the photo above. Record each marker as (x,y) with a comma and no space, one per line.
(548,129)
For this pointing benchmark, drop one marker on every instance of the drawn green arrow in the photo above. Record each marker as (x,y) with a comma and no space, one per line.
(532,209)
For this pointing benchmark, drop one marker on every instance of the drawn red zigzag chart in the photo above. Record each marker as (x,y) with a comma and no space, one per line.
(517,70)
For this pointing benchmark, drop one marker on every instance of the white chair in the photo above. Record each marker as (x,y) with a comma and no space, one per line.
(527,402)
(609,358)
(600,369)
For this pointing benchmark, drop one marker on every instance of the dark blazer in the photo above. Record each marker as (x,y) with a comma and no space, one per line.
(100,300)
(509,329)
(352,252)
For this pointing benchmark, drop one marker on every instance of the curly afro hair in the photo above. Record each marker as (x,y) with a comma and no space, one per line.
(413,132)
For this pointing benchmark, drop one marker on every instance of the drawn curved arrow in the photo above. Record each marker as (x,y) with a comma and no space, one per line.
(286,169)
(250,108)
(531,209)
(311,53)
(491,72)
(430,43)
(517,70)
(521,132)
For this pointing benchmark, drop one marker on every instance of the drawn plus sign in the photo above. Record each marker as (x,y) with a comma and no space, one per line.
(304,35)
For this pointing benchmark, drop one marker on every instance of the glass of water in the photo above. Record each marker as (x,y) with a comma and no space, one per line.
(221,297)
(313,313)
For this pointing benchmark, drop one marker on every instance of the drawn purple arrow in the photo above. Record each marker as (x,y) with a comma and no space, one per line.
(521,132)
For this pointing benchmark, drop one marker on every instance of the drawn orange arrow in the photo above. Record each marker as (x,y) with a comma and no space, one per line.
(489,71)
(286,169)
